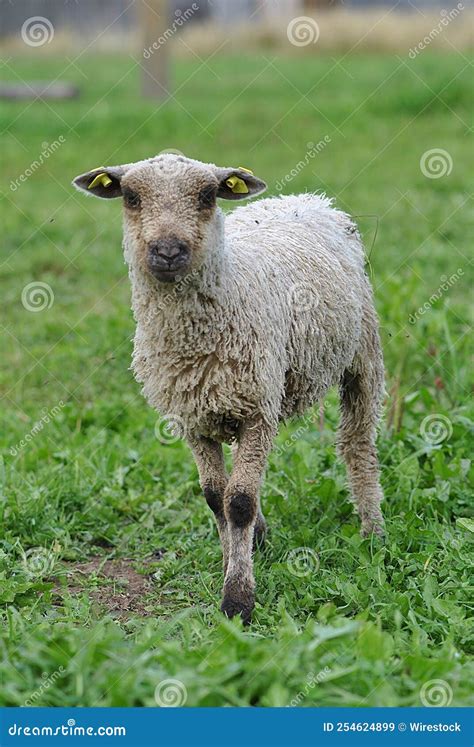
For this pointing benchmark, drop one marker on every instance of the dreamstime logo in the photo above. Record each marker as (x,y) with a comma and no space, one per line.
(310,420)
(189,542)
(171,694)
(302,31)
(46,417)
(302,561)
(47,681)
(38,561)
(446,284)
(303,297)
(313,149)
(169,429)
(180,19)
(435,429)
(445,20)
(37,31)
(178,287)
(37,296)
(436,694)
(48,149)
(311,681)
(436,163)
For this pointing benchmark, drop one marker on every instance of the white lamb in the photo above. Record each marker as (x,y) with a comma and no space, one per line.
(244,321)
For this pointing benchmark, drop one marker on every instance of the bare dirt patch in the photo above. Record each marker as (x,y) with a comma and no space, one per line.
(113,584)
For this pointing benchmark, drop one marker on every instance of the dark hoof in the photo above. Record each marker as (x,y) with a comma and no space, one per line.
(242,604)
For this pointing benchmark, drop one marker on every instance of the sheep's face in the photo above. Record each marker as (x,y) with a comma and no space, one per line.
(171,220)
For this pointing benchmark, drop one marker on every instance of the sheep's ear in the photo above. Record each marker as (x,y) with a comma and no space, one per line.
(104,181)
(238,184)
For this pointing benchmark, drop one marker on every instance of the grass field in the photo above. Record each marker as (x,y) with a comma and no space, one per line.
(110,562)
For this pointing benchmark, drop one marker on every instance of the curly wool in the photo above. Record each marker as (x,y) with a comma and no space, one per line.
(270,321)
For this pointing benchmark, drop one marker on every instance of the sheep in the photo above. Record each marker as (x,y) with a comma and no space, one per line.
(242,322)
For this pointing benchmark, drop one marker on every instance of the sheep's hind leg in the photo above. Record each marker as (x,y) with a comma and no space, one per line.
(241,509)
(213,478)
(260,530)
(361,396)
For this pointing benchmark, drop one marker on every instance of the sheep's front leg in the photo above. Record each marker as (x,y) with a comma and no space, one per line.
(213,477)
(241,512)
(260,530)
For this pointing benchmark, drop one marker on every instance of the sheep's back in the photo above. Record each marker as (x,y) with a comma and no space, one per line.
(305,268)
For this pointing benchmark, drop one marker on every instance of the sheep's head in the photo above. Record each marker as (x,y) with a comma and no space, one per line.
(170,215)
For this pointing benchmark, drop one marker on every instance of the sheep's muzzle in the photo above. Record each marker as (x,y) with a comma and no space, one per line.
(168,259)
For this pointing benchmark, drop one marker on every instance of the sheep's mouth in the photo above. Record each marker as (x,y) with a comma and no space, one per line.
(169,274)
(166,270)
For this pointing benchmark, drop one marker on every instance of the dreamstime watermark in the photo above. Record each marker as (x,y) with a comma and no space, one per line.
(435,429)
(178,287)
(310,419)
(312,151)
(47,681)
(312,680)
(436,163)
(169,429)
(46,418)
(445,20)
(194,538)
(167,560)
(48,150)
(171,693)
(66,730)
(302,561)
(181,18)
(302,31)
(38,562)
(303,298)
(295,436)
(36,31)
(446,284)
(436,694)
(37,296)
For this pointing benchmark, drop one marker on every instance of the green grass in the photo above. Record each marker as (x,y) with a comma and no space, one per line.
(375,623)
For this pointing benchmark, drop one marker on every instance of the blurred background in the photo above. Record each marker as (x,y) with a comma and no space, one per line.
(372,24)
(368,102)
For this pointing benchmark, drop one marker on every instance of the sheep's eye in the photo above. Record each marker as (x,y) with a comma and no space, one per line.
(207,196)
(131,199)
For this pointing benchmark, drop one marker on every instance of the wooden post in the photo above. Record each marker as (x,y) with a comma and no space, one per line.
(156,32)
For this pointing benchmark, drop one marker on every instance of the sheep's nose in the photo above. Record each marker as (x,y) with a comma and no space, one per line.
(169,249)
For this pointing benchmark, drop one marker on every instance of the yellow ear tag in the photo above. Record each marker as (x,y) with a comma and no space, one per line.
(237,185)
(100,179)
(242,168)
